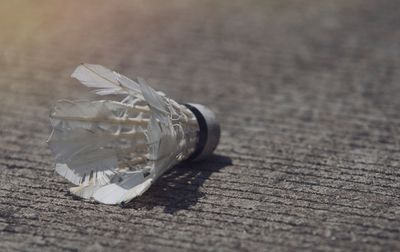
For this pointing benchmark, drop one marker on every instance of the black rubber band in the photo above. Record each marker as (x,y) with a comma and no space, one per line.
(203,134)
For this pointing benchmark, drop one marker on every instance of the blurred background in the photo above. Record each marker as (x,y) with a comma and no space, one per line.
(306,91)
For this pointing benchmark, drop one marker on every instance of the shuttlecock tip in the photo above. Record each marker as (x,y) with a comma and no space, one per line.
(210,131)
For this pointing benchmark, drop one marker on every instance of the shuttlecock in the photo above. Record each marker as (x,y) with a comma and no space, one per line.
(113,150)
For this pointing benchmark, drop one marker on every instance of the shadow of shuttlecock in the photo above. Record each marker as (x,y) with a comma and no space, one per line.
(180,187)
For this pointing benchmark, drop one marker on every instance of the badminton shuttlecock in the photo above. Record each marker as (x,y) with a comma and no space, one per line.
(113,150)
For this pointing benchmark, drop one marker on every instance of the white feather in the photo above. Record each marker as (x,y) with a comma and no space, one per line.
(104,81)
(131,186)
(106,147)
(154,100)
(86,134)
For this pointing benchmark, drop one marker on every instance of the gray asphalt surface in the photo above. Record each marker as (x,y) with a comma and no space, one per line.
(307,93)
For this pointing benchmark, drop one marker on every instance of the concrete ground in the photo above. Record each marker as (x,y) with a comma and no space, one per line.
(307,93)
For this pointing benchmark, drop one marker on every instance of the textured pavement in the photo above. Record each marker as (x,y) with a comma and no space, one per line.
(307,93)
